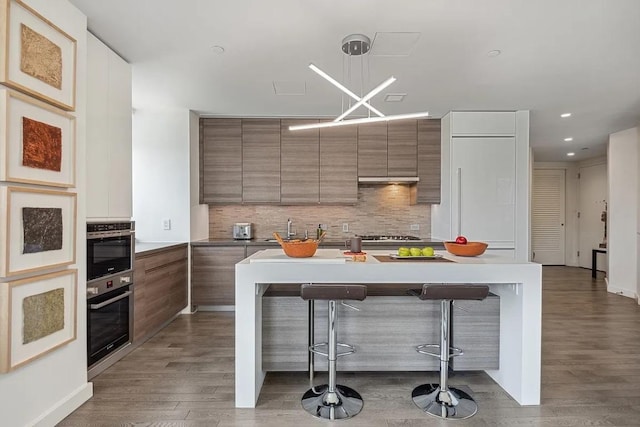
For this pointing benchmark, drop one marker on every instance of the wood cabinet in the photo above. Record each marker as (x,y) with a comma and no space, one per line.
(160,289)
(261,160)
(299,163)
(109,135)
(221,161)
(213,274)
(339,165)
(402,148)
(428,188)
(372,149)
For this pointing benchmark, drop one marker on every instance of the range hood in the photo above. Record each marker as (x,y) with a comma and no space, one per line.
(388,179)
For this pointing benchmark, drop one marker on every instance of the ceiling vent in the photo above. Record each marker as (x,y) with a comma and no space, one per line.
(395,97)
(289,88)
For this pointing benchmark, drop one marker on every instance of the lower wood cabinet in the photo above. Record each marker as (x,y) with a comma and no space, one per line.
(160,289)
(213,274)
(385,332)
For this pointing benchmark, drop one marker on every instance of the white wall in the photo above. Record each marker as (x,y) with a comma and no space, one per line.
(199,213)
(46,390)
(161,173)
(623,212)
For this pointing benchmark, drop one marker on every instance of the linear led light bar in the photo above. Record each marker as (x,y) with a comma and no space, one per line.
(367,97)
(360,121)
(344,89)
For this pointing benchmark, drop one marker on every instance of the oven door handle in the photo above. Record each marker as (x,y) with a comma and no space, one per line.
(109,301)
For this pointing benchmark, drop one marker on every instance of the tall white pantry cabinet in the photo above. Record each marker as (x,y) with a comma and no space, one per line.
(485,180)
(109,134)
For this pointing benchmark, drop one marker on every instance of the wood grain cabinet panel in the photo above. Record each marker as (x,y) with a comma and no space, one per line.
(299,163)
(261,160)
(213,274)
(339,165)
(160,290)
(221,161)
(372,149)
(429,147)
(402,148)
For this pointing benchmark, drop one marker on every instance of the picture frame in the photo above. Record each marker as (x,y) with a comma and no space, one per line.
(36,56)
(38,145)
(38,315)
(37,229)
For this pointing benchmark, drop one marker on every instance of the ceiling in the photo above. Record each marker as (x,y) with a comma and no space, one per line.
(577,56)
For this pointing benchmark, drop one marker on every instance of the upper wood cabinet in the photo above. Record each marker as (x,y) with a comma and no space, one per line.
(221,161)
(372,149)
(261,160)
(338,165)
(299,163)
(402,148)
(428,188)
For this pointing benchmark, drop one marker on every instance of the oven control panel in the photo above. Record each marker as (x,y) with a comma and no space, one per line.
(107,284)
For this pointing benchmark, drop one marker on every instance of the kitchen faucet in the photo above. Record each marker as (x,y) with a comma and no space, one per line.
(290,233)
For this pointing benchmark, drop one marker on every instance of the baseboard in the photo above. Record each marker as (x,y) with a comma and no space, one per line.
(64,407)
(215,308)
(622,292)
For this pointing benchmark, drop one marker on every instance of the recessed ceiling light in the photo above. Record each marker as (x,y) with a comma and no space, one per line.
(565,115)
(571,154)
(494,52)
(569,139)
(218,50)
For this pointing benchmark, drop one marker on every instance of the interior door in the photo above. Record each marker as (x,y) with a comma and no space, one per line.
(548,216)
(592,196)
(483,190)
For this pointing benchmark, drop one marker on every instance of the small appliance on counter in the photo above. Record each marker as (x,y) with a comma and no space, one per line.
(242,231)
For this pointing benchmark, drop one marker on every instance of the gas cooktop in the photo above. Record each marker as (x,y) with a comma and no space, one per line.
(382,237)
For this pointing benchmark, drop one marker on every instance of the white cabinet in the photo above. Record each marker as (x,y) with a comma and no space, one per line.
(485,181)
(109,156)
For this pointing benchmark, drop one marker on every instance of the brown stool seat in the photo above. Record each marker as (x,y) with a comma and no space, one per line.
(317,291)
(454,292)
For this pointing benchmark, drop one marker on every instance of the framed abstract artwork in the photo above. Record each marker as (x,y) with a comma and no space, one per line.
(37,231)
(39,315)
(36,57)
(38,145)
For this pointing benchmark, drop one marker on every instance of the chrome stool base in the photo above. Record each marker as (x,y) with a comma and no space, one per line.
(343,404)
(451,404)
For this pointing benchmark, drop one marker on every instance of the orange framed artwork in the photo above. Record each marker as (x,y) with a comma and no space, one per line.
(38,144)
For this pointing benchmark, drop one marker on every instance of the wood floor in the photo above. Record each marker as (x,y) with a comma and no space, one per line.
(184,376)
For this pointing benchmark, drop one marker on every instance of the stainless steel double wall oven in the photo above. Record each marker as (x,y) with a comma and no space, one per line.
(110,256)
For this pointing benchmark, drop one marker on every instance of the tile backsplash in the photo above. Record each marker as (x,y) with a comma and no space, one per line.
(380,210)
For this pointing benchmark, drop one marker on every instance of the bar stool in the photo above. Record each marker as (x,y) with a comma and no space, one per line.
(330,401)
(440,400)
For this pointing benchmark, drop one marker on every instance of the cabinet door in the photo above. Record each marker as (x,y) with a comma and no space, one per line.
(120,138)
(483,190)
(483,123)
(97,129)
(213,274)
(221,161)
(429,161)
(372,149)
(261,160)
(402,148)
(339,165)
(299,163)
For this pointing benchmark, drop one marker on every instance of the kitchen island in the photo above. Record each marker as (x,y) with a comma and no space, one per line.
(518,284)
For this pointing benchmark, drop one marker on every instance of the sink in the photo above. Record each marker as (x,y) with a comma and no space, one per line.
(270,240)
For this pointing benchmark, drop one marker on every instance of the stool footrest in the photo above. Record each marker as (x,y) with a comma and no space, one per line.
(314,349)
(453,351)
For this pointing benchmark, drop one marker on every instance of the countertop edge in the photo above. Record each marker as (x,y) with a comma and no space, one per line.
(149,248)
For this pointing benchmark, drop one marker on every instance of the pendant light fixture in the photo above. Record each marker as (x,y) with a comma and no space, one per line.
(357,45)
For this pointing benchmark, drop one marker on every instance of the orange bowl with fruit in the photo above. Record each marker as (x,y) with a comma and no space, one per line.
(298,248)
(463,247)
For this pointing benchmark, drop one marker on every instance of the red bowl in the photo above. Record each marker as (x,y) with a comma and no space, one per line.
(467,249)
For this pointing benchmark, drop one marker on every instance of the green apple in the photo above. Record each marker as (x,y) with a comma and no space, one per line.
(415,251)
(427,251)
(404,251)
